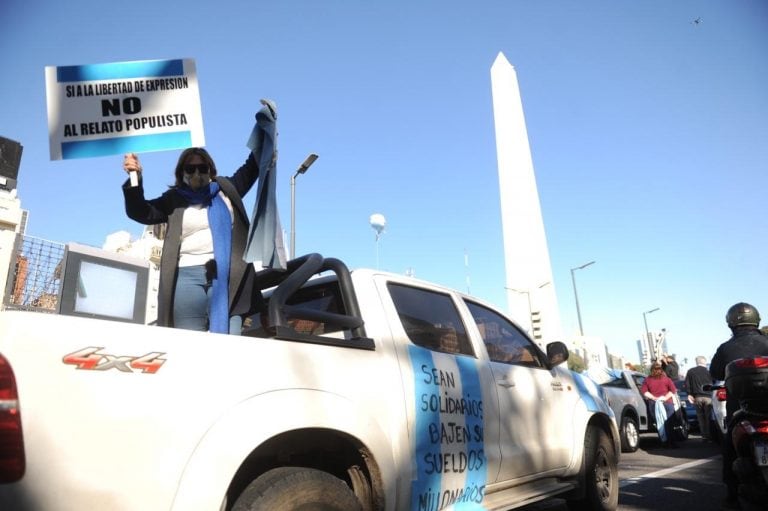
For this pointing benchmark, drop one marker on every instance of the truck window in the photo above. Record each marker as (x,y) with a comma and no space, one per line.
(430,319)
(639,380)
(503,340)
(621,383)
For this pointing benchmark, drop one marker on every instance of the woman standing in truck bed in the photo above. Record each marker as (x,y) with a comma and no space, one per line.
(201,266)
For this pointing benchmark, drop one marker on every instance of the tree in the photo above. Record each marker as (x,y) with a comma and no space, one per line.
(576,363)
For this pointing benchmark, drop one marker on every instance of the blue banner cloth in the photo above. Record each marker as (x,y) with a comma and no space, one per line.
(265,248)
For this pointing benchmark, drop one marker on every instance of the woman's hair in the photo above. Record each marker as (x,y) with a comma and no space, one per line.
(186,155)
(655,368)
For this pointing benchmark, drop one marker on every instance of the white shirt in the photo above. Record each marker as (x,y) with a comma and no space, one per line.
(196,238)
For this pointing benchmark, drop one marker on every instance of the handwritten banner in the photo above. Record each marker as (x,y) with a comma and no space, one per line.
(114,108)
(449,443)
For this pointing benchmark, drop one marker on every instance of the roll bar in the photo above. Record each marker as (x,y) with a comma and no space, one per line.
(289,281)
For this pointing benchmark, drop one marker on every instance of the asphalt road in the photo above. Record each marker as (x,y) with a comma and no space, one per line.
(658,479)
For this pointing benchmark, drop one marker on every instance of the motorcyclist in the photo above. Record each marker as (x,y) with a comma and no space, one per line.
(747,341)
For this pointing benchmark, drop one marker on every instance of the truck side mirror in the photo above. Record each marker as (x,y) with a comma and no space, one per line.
(557,353)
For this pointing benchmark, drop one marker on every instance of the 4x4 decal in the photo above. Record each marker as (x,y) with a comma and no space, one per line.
(90,359)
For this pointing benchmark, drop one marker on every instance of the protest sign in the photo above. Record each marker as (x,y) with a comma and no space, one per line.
(120,107)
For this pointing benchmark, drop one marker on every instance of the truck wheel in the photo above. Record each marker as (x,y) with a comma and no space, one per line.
(601,474)
(630,438)
(297,488)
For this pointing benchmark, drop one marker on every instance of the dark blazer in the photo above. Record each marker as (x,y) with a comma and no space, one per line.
(169,207)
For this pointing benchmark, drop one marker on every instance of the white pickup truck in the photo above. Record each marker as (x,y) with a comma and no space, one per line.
(352,391)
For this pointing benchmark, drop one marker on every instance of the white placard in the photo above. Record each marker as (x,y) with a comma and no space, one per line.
(121,107)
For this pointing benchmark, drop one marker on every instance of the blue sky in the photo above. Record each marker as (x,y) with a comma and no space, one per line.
(649,137)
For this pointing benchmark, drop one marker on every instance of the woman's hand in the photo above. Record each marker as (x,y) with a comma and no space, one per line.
(131,163)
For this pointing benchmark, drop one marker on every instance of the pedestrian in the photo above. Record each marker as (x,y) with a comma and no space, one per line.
(747,341)
(201,266)
(669,364)
(659,390)
(695,379)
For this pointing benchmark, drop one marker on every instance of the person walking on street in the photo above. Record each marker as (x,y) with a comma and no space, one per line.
(670,367)
(658,388)
(695,379)
(747,341)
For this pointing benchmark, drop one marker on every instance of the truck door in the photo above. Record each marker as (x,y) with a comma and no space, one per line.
(536,404)
(450,399)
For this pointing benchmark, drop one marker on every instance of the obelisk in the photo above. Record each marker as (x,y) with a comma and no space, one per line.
(529,284)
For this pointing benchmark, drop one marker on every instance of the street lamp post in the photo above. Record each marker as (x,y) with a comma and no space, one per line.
(576,295)
(648,334)
(302,169)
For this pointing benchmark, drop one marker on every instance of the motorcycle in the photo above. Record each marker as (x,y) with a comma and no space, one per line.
(746,379)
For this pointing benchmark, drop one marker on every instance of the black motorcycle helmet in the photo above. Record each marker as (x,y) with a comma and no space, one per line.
(742,314)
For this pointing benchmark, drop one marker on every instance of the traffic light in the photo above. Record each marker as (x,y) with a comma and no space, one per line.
(536,325)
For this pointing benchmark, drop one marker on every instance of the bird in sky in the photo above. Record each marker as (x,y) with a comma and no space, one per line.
(697,21)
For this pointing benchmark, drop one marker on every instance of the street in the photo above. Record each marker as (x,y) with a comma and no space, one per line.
(655,478)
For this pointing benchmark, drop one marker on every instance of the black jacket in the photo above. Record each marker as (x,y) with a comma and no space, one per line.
(695,379)
(671,369)
(169,207)
(747,341)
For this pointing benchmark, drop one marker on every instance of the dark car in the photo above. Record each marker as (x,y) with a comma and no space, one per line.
(690,410)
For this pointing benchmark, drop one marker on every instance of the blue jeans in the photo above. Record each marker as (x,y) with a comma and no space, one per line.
(190,301)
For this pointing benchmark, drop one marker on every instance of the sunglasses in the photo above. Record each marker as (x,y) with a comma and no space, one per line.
(202,168)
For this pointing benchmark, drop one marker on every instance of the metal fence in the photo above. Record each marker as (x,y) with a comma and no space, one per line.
(35,272)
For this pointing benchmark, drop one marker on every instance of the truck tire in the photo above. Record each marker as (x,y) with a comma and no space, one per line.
(297,488)
(630,438)
(600,474)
